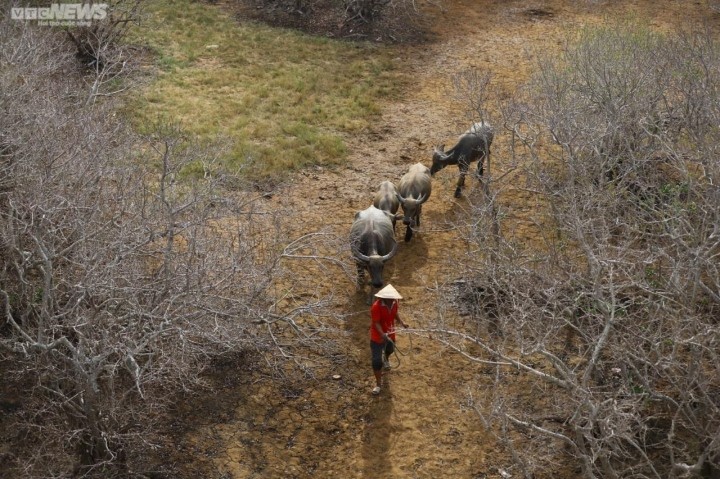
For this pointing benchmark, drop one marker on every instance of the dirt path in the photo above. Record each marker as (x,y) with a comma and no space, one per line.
(419,425)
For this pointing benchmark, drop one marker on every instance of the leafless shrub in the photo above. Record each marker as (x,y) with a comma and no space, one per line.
(375,20)
(101,40)
(363,10)
(472,89)
(372,11)
(107,62)
(614,320)
(125,269)
(295,6)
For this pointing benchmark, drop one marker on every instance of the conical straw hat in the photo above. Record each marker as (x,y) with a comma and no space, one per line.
(388,292)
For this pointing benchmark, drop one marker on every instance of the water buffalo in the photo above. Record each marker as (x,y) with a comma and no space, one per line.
(386,199)
(372,241)
(414,190)
(472,145)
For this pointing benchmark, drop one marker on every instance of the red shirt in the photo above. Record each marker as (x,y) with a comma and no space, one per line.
(379,313)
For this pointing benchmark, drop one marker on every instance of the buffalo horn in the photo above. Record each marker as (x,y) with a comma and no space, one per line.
(391,253)
(357,254)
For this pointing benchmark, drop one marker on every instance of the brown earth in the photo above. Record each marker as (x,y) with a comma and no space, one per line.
(421,425)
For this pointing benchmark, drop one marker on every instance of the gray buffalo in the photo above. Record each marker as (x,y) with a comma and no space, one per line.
(386,199)
(414,190)
(372,241)
(473,145)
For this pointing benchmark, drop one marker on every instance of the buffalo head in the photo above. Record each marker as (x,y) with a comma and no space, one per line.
(410,208)
(438,159)
(375,264)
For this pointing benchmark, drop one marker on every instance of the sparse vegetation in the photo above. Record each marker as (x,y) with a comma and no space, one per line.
(615,319)
(126,269)
(284,99)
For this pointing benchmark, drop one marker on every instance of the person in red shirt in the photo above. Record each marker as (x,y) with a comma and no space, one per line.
(383,314)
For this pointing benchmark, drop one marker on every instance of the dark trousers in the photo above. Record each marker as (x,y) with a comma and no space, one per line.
(377,350)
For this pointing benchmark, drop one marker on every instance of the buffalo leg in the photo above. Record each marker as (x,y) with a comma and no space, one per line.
(360,274)
(481,163)
(408,233)
(461,180)
(369,299)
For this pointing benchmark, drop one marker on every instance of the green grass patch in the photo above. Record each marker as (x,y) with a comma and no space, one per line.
(283,98)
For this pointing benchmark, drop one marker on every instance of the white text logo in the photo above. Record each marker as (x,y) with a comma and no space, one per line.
(62,14)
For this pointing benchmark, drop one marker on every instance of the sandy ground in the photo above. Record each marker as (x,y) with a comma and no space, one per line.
(420,426)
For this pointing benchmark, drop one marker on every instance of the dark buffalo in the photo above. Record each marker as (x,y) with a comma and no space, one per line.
(473,145)
(386,199)
(414,190)
(372,241)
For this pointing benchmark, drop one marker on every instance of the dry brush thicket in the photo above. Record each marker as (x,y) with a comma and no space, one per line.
(373,20)
(126,269)
(614,322)
(353,10)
